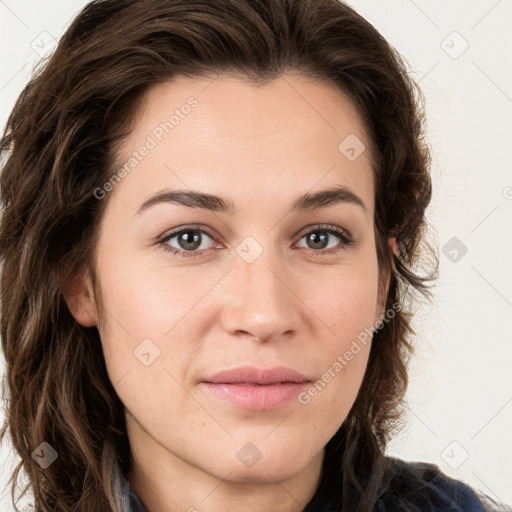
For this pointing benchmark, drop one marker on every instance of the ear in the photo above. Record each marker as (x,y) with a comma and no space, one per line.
(383,288)
(392,243)
(79,296)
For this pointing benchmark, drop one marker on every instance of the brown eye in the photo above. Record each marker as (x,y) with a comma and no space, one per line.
(326,240)
(187,242)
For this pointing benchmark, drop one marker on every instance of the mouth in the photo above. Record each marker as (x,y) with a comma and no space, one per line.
(252,375)
(253,383)
(255,388)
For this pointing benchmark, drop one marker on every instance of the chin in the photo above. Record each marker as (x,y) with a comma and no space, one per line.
(261,462)
(262,473)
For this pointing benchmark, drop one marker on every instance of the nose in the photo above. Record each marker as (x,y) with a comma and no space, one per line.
(260,299)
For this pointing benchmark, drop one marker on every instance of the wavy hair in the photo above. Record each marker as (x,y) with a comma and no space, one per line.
(59,145)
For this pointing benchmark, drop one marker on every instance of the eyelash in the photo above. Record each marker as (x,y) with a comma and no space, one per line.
(333,230)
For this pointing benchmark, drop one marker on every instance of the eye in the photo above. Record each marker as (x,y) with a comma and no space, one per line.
(191,241)
(188,241)
(319,240)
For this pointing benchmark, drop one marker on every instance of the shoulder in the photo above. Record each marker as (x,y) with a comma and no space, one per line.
(422,486)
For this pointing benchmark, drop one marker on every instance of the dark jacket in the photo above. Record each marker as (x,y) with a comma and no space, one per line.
(415,487)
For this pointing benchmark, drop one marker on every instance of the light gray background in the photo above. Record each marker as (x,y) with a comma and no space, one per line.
(460,395)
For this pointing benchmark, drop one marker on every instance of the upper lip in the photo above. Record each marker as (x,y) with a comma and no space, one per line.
(255,375)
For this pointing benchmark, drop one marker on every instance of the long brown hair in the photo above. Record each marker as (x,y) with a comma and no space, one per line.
(59,146)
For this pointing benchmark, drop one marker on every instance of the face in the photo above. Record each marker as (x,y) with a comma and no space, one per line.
(273,278)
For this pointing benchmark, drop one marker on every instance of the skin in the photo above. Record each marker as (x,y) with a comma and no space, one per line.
(293,305)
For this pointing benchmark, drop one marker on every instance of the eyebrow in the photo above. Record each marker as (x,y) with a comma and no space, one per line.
(202,200)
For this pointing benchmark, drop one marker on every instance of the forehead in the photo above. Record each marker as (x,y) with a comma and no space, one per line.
(230,104)
(286,136)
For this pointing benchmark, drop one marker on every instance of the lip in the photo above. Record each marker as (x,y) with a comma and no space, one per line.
(249,387)
(254,375)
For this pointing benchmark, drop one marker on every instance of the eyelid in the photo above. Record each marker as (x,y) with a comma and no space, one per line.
(201,228)
(184,227)
(325,227)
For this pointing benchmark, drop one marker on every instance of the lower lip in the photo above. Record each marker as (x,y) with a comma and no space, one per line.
(270,396)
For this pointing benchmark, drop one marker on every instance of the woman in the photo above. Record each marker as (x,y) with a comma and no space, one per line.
(176,180)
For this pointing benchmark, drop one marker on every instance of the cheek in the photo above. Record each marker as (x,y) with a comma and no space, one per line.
(146,300)
(347,304)
(146,335)
(151,314)
(344,356)
(346,301)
